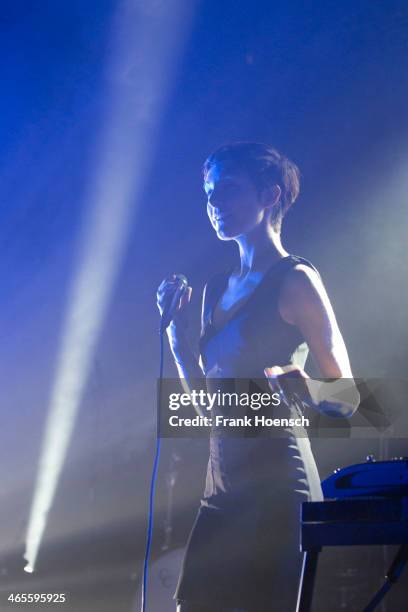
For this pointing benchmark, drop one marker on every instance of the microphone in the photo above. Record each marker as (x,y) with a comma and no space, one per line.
(181,284)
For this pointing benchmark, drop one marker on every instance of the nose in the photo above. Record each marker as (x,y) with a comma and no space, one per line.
(211,199)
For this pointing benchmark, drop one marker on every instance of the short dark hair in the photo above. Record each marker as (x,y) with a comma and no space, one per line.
(265,166)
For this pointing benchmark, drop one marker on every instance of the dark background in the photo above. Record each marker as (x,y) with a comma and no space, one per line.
(327,84)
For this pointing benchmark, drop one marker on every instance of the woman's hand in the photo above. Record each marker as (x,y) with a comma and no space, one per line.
(337,398)
(165,292)
(188,366)
(291,382)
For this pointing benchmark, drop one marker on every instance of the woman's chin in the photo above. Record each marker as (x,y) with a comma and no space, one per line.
(227,232)
(223,234)
(231,229)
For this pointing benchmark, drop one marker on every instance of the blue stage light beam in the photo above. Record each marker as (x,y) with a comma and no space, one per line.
(147,40)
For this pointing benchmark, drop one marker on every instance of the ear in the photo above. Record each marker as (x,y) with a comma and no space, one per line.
(271,195)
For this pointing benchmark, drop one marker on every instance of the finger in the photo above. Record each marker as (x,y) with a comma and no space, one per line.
(170,278)
(166,286)
(176,297)
(293,379)
(167,281)
(273,372)
(186,297)
(291,369)
(294,383)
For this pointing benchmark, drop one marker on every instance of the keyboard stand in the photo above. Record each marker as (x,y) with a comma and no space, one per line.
(391,577)
(352,522)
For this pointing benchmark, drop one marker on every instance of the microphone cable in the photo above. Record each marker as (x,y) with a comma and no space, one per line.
(153,482)
(164,322)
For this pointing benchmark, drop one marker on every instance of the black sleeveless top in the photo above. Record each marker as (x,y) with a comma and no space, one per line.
(253,338)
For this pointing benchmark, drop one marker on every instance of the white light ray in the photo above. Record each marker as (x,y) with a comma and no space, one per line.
(147,39)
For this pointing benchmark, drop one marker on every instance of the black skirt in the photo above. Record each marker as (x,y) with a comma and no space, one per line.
(244,557)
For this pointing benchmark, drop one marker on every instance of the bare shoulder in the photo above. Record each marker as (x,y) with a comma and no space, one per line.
(304,303)
(302,291)
(301,282)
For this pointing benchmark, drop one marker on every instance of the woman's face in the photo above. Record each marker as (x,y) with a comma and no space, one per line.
(234,206)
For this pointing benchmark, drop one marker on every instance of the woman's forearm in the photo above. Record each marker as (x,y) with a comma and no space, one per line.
(189,370)
(336,398)
(187,363)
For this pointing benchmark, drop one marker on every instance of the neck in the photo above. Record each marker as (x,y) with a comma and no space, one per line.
(259,249)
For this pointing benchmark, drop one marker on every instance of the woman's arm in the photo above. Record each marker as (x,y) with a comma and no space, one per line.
(190,369)
(187,364)
(304,302)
